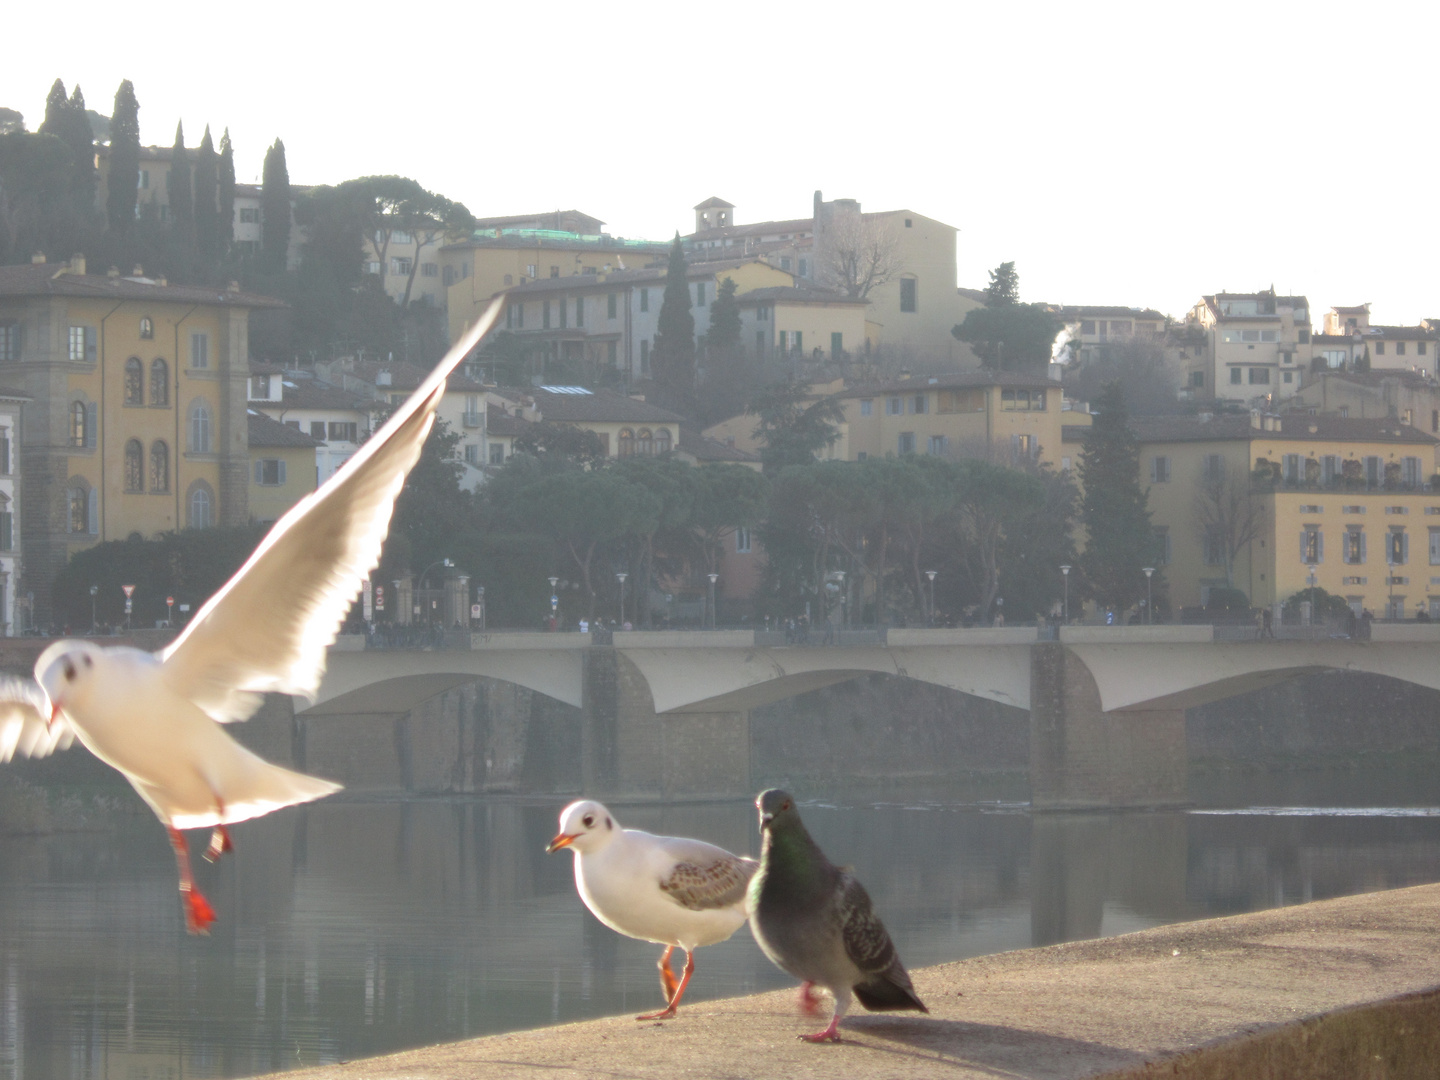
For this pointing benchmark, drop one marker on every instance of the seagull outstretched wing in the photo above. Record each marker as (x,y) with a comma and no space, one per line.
(24,710)
(268,628)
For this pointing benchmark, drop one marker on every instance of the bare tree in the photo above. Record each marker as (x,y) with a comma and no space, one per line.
(858,255)
(1230,515)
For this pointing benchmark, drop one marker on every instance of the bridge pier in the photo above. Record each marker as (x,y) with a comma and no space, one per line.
(1082,757)
(630,751)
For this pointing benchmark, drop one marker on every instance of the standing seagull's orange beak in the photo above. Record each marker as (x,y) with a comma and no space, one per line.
(563,840)
(55,711)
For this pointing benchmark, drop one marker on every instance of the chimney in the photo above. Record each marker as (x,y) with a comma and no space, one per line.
(161,280)
(1255,419)
(113,272)
(77,264)
(38,258)
(233,286)
(139,271)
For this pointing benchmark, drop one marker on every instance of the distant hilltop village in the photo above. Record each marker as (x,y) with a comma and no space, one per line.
(222,348)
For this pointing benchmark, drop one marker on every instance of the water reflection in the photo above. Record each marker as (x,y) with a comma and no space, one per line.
(354,928)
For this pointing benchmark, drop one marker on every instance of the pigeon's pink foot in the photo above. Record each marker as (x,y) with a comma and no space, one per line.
(219,843)
(830,1034)
(809,1000)
(199,915)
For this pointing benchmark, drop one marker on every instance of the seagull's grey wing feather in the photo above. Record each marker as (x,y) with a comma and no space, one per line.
(867,942)
(707,877)
(24,710)
(268,628)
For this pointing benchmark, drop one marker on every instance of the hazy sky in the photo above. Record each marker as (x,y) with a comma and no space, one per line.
(1120,153)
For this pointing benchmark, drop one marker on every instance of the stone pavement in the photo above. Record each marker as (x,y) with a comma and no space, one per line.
(1225,995)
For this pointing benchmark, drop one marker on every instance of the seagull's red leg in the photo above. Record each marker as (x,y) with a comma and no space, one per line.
(809,1000)
(669,1010)
(220,838)
(667,977)
(198,912)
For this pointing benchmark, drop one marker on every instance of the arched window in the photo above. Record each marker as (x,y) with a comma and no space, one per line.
(79,425)
(147,328)
(81,499)
(644,443)
(200,506)
(134,466)
(662,441)
(159,466)
(199,427)
(625,444)
(134,381)
(159,382)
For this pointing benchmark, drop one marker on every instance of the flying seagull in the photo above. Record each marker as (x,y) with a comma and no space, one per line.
(814,920)
(156,717)
(675,892)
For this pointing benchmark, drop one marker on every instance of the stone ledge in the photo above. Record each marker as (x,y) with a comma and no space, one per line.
(1158,999)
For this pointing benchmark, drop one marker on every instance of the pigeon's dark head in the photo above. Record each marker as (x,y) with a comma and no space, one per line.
(66,671)
(585,826)
(776,806)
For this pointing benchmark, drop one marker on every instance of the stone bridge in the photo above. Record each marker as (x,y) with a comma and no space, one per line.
(667,713)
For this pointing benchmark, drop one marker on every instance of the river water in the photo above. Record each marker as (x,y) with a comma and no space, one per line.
(353,927)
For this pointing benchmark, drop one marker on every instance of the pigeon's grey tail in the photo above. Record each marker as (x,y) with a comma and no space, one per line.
(887,993)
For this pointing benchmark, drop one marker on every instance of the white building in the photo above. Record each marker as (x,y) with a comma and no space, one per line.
(10,563)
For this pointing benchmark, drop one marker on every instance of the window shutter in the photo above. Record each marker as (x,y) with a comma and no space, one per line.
(5,520)
(90,344)
(1154,470)
(259,472)
(1404,547)
(282,471)
(1362,547)
(92,511)
(1302,545)
(1319,546)
(1435,547)
(92,415)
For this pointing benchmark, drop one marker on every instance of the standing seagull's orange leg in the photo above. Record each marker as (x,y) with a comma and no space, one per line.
(669,1010)
(198,912)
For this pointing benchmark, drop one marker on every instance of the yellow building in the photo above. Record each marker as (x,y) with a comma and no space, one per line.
(497,258)
(282,467)
(138,422)
(1008,418)
(1282,498)
(800,322)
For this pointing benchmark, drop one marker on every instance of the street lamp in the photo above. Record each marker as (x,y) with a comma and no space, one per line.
(931,575)
(554,598)
(94,623)
(480,600)
(1065,576)
(1149,606)
(620,577)
(844,600)
(713,578)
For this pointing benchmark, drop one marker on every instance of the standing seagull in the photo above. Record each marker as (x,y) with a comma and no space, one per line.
(156,716)
(814,920)
(666,889)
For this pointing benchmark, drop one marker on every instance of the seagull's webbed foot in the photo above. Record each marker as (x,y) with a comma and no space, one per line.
(219,844)
(809,1000)
(830,1034)
(669,1011)
(199,915)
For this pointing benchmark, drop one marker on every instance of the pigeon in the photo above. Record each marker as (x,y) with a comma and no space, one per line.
(676,892)
(814,920)
(157,717)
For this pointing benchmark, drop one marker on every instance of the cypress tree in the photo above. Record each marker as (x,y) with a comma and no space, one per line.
(81,140)
(123,180)
(207,223)
(1119,537)
(723,337)
(182,199)
(275,208)
(226,192)
(56,104)
(673,357)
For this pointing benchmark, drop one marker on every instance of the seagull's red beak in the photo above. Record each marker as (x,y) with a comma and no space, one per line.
(563,840)
(55,711)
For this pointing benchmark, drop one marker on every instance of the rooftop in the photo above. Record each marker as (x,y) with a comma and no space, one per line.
(267,432)
(958,380)
(599,406)
(796,294)
(1300,427)
(57,279)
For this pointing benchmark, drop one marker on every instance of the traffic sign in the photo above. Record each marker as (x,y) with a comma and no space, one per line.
(169,601)
(129,590)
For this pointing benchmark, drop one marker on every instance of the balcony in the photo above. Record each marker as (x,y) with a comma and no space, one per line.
(473,419)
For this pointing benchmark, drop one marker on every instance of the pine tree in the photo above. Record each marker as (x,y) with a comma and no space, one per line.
(123,180)
(673,357)
(207,222)
(275,208)
(226,191)
(1120,540)
(182,199)
(724,334)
